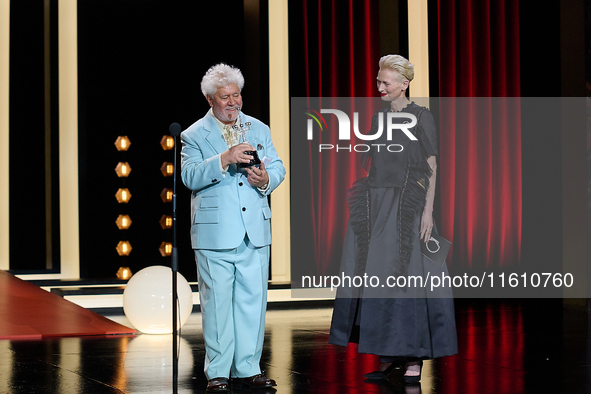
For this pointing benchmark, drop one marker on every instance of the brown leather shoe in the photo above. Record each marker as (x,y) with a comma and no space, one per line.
(257,381)
(218,385)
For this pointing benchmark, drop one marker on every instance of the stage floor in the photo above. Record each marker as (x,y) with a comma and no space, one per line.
(505,347)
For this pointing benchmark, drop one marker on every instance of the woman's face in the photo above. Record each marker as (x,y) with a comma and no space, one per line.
(389,84)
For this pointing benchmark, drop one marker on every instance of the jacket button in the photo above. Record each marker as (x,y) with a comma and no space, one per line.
(240,184)
(243,209)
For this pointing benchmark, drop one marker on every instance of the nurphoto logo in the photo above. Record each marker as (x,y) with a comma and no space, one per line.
(386,122)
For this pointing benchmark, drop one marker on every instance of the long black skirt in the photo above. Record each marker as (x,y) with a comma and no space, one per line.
(385,320)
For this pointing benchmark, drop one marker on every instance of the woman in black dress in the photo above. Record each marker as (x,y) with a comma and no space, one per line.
(390,215)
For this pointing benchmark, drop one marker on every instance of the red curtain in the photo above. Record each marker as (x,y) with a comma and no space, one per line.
(480,149)
(480,152)
(340,59)
(341,47)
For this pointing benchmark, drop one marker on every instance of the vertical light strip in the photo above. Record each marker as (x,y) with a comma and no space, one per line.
(70,359)
(281,337)
(4,128)
(279,123)
(68,139)
(418,46)
(7,371)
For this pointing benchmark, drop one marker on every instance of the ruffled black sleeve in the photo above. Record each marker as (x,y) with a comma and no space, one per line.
(427,134)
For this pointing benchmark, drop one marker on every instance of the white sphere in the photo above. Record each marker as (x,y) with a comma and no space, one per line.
(147,300)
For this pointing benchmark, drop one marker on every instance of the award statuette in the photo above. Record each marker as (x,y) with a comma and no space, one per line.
(241,129)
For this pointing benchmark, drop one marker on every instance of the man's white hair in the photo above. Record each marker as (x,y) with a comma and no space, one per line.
(219,76)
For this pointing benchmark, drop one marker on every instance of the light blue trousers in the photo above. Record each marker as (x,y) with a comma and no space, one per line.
(233,296)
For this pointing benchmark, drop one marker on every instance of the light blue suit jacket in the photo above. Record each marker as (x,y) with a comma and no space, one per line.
(225,207)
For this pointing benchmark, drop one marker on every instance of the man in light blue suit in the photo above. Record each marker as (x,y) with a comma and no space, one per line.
(230,230)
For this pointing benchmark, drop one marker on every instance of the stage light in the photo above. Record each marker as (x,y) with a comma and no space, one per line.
(165,249)
(166,222)
(166,195)
(123,195)
(167,142)
(124,273)
(122,143)
(123,222)
(167,169)
(123,248)
(123,169)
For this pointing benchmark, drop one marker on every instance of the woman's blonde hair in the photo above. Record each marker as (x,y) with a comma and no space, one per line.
(400,64)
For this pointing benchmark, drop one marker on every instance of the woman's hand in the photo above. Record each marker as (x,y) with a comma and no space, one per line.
(426,225)
(427,217)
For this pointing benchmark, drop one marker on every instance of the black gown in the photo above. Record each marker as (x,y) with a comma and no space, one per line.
(382,240)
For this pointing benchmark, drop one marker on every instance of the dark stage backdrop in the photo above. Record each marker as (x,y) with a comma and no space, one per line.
(541,151)
(33,146)
(140,68)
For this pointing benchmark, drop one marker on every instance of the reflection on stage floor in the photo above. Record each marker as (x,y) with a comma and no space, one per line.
(505,346)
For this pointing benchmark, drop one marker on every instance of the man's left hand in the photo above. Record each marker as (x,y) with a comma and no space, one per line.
(257,176)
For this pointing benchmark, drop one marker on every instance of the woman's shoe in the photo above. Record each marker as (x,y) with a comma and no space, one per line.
(412,371)
(381,374)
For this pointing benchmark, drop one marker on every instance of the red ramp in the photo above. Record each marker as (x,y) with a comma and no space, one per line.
(29,312)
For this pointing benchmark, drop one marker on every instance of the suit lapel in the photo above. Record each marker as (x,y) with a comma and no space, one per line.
(214,135)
